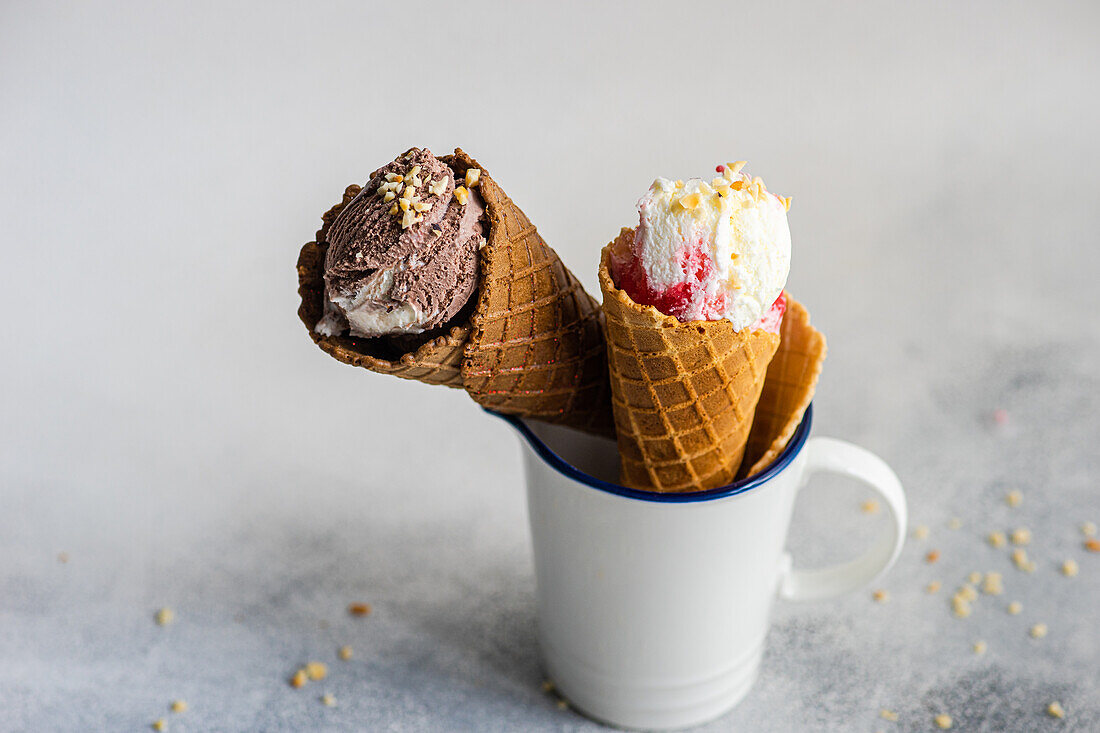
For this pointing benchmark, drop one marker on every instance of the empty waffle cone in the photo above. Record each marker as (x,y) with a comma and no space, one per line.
(683,394)
(531,346)
(788,388)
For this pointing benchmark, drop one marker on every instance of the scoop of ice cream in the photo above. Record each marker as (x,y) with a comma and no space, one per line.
(403,255)
(708,251)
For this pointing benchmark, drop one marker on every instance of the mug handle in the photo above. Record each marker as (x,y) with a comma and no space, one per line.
(837,456)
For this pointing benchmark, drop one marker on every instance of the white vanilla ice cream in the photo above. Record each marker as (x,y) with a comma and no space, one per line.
(708,251)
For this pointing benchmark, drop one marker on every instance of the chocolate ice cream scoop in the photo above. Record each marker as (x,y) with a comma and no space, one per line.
(403,255)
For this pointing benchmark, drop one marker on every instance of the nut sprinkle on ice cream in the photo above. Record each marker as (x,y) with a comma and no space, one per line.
(403,255)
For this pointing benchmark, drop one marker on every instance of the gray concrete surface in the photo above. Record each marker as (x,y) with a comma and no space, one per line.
(169,426)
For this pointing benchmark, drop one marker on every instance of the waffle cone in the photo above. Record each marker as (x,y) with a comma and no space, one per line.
(788,388)
(683,394)
(532,345)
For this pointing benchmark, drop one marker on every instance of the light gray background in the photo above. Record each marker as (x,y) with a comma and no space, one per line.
(169,425)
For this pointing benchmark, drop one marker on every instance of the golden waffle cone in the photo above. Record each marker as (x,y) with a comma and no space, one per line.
(788,388)
(533,344)
(536,348)
(683,394)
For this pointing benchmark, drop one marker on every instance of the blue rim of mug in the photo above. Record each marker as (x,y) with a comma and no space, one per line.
(738,487)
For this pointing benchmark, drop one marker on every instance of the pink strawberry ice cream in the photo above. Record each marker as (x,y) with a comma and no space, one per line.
(708,251)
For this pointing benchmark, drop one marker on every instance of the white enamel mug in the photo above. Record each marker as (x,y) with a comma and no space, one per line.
(653,608)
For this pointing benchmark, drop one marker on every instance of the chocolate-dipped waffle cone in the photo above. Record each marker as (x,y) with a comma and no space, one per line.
(532,345)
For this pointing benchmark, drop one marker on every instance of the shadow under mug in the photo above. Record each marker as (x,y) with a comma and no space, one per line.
(653,608)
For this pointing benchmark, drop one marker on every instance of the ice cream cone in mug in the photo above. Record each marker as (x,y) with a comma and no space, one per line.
(694,303)
(486,305)
(684,394)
